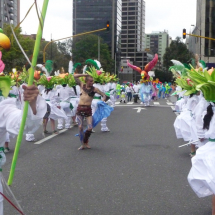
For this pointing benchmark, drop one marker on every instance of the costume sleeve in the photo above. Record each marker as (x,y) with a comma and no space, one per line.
(11,116)
(54,98)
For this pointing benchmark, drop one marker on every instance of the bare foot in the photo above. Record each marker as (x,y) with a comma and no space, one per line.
(87,146)
(81,147)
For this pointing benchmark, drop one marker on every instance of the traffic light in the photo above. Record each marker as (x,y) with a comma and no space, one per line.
(108,26)
(184,33)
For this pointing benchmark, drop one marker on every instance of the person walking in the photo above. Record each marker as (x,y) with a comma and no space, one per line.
(129,90)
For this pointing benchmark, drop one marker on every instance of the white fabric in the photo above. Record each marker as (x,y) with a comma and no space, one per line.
(136,88)
(10,121)
(202,174)
(183,125)
(29,137)
(94,106)
(56,113)
(7,137)
(128,89)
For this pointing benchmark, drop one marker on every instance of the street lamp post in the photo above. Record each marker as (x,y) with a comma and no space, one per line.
(200,41)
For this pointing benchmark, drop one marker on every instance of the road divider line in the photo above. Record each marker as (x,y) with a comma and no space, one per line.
(50,137)
(156,103)
(169,103)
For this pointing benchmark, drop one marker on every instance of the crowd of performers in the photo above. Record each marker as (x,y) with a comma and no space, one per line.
(196,123)
(145,90)
(65,99)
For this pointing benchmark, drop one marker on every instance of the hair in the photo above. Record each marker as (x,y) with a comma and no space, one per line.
(191,95)
(47,90)
(88,77)
(74,88)
(61,70)
(208,117)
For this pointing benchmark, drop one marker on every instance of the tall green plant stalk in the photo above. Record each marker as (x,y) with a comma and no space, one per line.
(30,82)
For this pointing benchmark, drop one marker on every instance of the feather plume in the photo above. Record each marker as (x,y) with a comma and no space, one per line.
(98,63)
(151,64)
(176,62)
(134,67)
(92,62)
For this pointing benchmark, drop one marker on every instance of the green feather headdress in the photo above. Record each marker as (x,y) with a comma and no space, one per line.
(205,81)
(90,63)
(75,67)
(93,72)
(186,84)
(49,66)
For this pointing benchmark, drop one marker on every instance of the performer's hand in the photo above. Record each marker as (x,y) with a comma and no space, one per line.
(30,94)
(59,107)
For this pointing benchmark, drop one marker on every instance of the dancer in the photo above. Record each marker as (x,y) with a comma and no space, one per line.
(84,109)
(54,110)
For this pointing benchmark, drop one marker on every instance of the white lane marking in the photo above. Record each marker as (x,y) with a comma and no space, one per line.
(142,105)
(156,103)
(116,103)
(169,103)
(50,137)
(173,108)
(139,109)
(130,103)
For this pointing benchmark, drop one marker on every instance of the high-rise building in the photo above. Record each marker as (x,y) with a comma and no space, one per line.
(91,15)
(156,43)
(13,14)
(133,37)
(205,26)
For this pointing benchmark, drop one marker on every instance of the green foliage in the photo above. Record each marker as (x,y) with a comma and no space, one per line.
(14,57)
(177,51)
(68,79)
(86,47)
(164,76)
(47,82)
(59,52)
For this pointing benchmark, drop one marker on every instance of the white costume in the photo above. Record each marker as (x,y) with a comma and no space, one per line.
(183,122)
(10,122)
(64,94)
(52,99)
(113,94)
(96,99)
(74,99)
(202,173)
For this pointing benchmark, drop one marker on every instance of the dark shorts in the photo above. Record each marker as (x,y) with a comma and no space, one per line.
(47,112)
(84,110)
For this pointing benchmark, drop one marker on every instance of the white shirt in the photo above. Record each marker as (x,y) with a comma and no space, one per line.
(136,88)
(128,89)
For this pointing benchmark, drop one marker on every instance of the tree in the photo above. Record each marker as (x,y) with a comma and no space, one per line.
(164,76)
(86,47)
(177,51)
(14,57)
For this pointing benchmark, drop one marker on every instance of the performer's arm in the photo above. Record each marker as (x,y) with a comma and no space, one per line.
(30,94)
(96,90)
(77,80)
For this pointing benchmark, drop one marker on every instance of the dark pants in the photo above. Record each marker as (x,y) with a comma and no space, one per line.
(129,94)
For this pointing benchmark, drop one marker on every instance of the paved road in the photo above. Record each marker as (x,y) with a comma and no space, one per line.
(136,169)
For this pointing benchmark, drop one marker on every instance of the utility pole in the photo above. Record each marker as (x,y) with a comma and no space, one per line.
(51,47)
(98,48)
(113,26)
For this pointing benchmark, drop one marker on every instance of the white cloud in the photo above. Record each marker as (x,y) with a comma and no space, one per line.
(171,15)
(58,21)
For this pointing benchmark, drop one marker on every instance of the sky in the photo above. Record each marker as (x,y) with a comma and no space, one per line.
(171,15)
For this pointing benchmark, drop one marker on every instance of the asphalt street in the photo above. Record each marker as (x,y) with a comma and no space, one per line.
(136,169)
